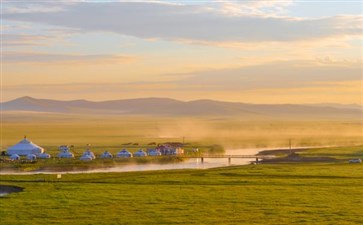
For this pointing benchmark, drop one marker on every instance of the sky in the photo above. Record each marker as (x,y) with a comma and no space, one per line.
(242,51)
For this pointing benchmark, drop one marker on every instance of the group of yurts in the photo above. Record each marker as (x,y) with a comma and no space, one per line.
(32,151)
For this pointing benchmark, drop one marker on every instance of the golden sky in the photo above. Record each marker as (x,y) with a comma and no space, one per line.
(245,51)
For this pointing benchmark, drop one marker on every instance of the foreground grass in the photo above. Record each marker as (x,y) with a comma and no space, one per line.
(253,194)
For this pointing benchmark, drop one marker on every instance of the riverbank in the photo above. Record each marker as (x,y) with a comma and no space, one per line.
(316,154)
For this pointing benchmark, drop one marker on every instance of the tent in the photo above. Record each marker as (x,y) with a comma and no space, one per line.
(124,154)
(14,157)
(25,147)
(153,152)
(87,155)
(106,155)
(65,154)
(140,153)
(44,156)
(31,157)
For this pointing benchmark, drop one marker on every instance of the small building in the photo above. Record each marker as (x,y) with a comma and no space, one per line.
(153,152)
(44,156)
(25,147)
(124,154)
(31,157)
(106,155)
(169,149)
(14,157)
(87,155)
(66,154)
(140,153)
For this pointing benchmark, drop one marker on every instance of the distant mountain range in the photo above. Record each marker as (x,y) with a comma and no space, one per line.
(166,106)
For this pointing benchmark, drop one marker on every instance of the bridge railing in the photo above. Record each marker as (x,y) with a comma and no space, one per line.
(228,156)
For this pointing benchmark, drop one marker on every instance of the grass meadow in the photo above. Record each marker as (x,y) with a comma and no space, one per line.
(318,193)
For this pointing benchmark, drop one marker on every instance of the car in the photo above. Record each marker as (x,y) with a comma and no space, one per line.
(355,161)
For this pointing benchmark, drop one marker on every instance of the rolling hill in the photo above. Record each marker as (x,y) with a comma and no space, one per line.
(171,107)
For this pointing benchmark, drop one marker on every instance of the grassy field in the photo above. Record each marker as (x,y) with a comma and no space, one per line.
(253,194)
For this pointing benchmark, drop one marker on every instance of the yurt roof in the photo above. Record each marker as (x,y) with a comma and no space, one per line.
(24,144)
(124,151)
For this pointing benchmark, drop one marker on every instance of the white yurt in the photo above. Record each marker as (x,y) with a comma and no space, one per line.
(106,155)
(44,156)
(25,147)
(124,154)
(14,157)
(87,155)
(65,154)
(140,153)
(153,152)
(88,152)
(31,157)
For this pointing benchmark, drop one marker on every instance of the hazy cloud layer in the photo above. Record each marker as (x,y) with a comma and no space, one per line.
(23,39)
(25,57)
(188,22)
(289,74)
(275,75)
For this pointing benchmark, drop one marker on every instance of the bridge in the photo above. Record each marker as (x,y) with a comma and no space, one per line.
(229,157)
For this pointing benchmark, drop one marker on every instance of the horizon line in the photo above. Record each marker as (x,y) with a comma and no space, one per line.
(175,99)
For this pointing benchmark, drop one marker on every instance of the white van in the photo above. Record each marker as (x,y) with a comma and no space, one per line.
(355,161)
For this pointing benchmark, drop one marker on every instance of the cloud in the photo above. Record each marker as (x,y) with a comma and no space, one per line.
(196,23)
(299,73)
(24,39)
(32,7)
(276,75)
(271,8)
(32,57)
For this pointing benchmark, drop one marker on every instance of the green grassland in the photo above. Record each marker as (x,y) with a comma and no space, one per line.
(337,152)
(318,193)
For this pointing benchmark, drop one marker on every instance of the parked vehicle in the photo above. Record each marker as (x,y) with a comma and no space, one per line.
(355,161)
